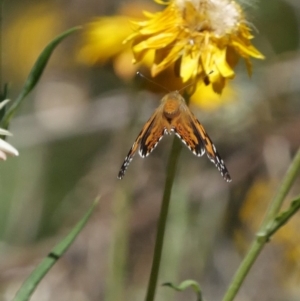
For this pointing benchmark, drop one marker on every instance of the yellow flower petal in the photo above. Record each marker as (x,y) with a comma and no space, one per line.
(247,49)
(169,59)
(189,65)
(222,65)
(155,42)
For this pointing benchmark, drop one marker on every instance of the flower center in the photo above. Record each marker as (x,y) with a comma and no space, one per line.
(220,17)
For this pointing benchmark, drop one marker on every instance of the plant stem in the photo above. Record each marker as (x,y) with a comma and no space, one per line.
(261,239)
(171,170)
(119,247)
(287,215)
(283,189)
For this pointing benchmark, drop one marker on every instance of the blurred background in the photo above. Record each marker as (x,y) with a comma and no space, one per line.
(74,131)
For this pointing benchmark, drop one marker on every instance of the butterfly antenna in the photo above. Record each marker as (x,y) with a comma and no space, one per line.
(151,81)
(187,86)
(205,78)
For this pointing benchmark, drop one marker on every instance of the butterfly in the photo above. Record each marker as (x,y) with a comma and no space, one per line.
(174,116)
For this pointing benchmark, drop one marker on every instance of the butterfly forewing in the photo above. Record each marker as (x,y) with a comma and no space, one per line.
(211,151)
(151,138)
(193,135)
(135,146)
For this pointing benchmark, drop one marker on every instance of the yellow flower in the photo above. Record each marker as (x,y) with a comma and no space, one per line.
(199,38)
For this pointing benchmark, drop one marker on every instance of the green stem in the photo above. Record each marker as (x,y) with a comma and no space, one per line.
(260,239)
(282,221)
(171,170)
(283,190)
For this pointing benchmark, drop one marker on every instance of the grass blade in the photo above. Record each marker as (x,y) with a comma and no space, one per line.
(35,74)
(42,269)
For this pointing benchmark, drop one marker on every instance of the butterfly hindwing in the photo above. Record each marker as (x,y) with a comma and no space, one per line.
(189,135)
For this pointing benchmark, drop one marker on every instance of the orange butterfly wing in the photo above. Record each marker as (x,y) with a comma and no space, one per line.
(147,140)
(151,137)
(199,142)
(185,129)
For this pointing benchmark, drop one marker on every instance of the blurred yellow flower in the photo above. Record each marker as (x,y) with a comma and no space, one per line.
(26,34)
(103,42)
(202,38)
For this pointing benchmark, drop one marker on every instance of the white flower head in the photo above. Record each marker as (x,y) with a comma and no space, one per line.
(5,147)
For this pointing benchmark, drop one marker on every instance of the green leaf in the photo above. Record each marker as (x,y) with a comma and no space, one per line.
(38,274)
(283,218)
(35,74)
(4,101)
(3,94)
(186,284)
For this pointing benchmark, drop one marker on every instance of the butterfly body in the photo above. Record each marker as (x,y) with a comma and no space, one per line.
(174,116)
